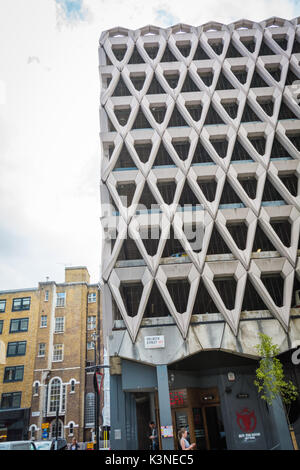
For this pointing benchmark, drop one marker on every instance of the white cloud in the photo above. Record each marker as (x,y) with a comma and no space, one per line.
(49,124)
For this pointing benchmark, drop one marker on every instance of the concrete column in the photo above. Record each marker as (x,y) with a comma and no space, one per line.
(118,439)
(164,404)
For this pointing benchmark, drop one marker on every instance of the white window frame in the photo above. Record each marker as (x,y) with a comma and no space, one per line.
(91,322)
(36,386)
(59,325)
(46,296)
(33,430)
(55,356)
(60,299)
(60,427)
(92,297)
(72,385)
(44,319)
(41,349)
(90,345)
(71,425)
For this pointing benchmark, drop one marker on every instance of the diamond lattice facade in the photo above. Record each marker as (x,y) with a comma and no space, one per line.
(200,136)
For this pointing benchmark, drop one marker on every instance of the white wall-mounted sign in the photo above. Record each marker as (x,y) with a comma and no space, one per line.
(154,342)
(35,413)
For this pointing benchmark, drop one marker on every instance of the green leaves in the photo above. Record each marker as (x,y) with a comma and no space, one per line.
(270,380)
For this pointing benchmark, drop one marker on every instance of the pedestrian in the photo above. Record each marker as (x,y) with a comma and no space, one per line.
(74,445)
(183,442)
(153,437)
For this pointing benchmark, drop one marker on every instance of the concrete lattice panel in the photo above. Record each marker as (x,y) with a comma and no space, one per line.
(212,40)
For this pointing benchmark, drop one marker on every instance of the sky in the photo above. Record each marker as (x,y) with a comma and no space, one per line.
(49,122)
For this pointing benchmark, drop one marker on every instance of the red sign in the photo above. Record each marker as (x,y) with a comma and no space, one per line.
(246,420)
(98,378)
(177,398)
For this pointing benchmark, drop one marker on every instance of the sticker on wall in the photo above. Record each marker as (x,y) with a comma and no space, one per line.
(247,421)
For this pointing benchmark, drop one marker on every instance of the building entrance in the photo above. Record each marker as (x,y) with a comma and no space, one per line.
(198,410)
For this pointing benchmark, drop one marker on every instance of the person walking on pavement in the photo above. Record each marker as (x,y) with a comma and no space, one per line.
(183,442)
(74,445)
(153,437)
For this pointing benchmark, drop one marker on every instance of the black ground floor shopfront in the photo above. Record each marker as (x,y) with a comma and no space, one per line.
(14,424)
(211,394)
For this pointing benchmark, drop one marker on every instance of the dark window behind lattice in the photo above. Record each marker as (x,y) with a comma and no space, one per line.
(261,241)
(188,197)
(189,84)
(179,291)
(206,77)
(274,285)
(182,148)
(143,151)
(155,87)
(220,145)
(258,81)
(156,306)
(136,57)
(226,288)
(200,54)
(231,108)
(252,300)
(249,184)
(168,56)
(239,232)
(217,245)
(167,190)
(229,196)
(162,157)
(125,159)
(232,51)
(141,121)
(270,193)
(239,152)
(203,302)
(265,49)
(208,187)
(131,295)
(201,155)
(285,112)
(259,143)
(151,51)
(177,119)
(291,183)
(121,88)
(249,114)
(223,83)
(283,230)
(213,117)
(172,246)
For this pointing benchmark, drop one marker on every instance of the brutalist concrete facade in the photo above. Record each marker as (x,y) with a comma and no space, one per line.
(200,133)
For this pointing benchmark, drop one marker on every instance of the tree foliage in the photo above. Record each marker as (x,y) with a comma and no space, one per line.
(270,379)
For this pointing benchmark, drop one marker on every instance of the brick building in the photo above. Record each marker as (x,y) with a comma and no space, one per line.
(48,344)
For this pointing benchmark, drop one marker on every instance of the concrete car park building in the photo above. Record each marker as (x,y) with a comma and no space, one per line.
(200,134)
(48,357)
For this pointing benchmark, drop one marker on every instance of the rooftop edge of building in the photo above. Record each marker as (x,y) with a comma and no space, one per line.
(210,25)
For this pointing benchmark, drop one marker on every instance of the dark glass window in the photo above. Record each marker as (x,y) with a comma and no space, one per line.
(18,325)
(21,304)
(2,306)
(17,348)
(1,326)
(11,400)
(13,374)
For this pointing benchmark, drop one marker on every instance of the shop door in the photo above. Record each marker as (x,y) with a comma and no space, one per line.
(214,428)
(180,420)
